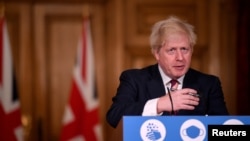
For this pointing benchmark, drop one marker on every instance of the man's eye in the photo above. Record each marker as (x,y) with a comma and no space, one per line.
(172,50)
(184,50)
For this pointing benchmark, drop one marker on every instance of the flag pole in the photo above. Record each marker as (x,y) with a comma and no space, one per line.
(86,11)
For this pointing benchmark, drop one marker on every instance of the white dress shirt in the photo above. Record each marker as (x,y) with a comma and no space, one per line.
(150,108)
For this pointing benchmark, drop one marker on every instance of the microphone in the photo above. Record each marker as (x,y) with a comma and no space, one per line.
(171,101)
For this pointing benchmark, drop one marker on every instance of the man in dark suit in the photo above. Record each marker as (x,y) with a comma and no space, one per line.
(150,91)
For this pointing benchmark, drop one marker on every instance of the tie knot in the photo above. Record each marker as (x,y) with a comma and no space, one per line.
(174,84)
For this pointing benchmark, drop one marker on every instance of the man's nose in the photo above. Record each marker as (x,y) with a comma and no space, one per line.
(179,55)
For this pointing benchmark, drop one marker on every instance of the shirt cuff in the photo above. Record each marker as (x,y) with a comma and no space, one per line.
(150,108)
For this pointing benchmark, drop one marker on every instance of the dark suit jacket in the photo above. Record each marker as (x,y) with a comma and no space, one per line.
(137,86)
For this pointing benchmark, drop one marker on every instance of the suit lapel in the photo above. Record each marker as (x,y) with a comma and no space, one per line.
(155,85)
(190,80)
(155,89)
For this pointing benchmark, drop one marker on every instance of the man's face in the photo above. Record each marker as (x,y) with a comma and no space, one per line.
(174,56)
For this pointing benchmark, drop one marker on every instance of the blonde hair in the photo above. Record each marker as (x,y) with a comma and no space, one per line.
(162,29)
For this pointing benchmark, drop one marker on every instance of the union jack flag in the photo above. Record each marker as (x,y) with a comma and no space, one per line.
(10,116)
(81,117)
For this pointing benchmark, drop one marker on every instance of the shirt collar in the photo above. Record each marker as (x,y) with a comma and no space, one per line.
(166,79)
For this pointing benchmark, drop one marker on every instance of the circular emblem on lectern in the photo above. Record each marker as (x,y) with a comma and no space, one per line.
(233,122)
(193,130)
(153,130)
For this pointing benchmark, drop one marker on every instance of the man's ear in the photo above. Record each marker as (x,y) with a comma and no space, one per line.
(156,54)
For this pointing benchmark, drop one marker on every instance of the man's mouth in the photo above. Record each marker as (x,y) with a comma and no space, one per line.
(179,67)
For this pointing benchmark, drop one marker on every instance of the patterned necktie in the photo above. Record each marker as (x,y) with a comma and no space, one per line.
(174,84)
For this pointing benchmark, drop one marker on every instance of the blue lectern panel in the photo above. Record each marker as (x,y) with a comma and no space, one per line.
(175,128)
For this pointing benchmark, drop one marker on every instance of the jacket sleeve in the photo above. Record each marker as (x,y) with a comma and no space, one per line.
(127,100)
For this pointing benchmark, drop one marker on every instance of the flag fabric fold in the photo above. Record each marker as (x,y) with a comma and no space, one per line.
(10,113)
(81,116)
